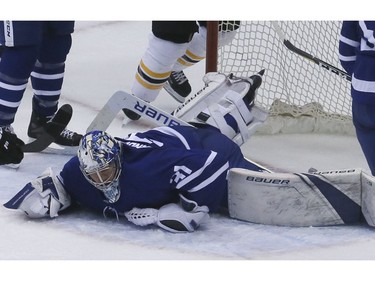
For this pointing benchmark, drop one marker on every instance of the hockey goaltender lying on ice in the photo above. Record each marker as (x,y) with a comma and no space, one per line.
(174,175)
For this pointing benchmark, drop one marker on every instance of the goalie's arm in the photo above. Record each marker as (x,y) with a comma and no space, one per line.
(184,217)
(42,197)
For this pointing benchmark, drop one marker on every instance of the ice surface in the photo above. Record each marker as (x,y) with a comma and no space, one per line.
(103,59)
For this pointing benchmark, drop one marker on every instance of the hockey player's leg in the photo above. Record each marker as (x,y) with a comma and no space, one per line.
(364,123)
(293,199)
(178,85)
(47,80)
(225,103)
(155,67)
(15,67)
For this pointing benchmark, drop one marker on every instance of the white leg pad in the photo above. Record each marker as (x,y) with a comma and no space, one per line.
(233,104)
(368,198)
(216,86)
(287,199)
(241,114)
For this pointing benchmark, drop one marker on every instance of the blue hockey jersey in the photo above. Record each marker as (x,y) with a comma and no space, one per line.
(357,57)
(160,164)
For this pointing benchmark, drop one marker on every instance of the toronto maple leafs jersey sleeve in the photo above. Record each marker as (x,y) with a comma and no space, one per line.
(349,43)
(357,56)
(201,177)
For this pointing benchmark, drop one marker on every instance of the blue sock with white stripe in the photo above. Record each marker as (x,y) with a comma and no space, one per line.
(15,67)
(47,80)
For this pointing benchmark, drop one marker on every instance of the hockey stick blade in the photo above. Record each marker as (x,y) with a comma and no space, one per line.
(51,131)
(308,56)
(108,113)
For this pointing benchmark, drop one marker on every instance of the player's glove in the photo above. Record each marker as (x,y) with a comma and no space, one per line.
(42,197)
(184,217)
(10,148)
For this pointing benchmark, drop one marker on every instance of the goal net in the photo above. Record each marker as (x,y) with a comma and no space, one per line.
(300,95)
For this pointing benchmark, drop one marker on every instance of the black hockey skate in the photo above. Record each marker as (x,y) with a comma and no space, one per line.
(37,126)
(255,81)
(178,86)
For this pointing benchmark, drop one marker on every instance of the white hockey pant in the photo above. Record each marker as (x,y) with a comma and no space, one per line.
(156,64)
(197,47)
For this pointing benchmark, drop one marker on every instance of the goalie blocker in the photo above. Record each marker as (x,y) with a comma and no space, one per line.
(300,199)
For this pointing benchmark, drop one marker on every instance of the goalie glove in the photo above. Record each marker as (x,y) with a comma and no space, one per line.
(42,197)
(177,218)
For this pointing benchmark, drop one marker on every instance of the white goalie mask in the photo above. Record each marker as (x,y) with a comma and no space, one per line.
(99,158)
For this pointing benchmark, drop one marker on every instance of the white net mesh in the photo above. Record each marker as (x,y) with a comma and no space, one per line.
(292,84)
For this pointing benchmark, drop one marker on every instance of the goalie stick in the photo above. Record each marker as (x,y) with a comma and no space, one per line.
(158,117)
(120,100)
(308,56)
(51,131)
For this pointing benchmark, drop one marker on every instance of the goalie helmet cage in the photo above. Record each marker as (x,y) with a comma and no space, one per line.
(300,95)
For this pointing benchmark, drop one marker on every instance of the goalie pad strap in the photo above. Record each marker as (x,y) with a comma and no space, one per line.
(240,113)
(236,108)
(238,102)
(219,121)
(242,127)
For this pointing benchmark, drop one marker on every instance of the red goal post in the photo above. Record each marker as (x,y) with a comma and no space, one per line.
(300,94)
(212,46)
